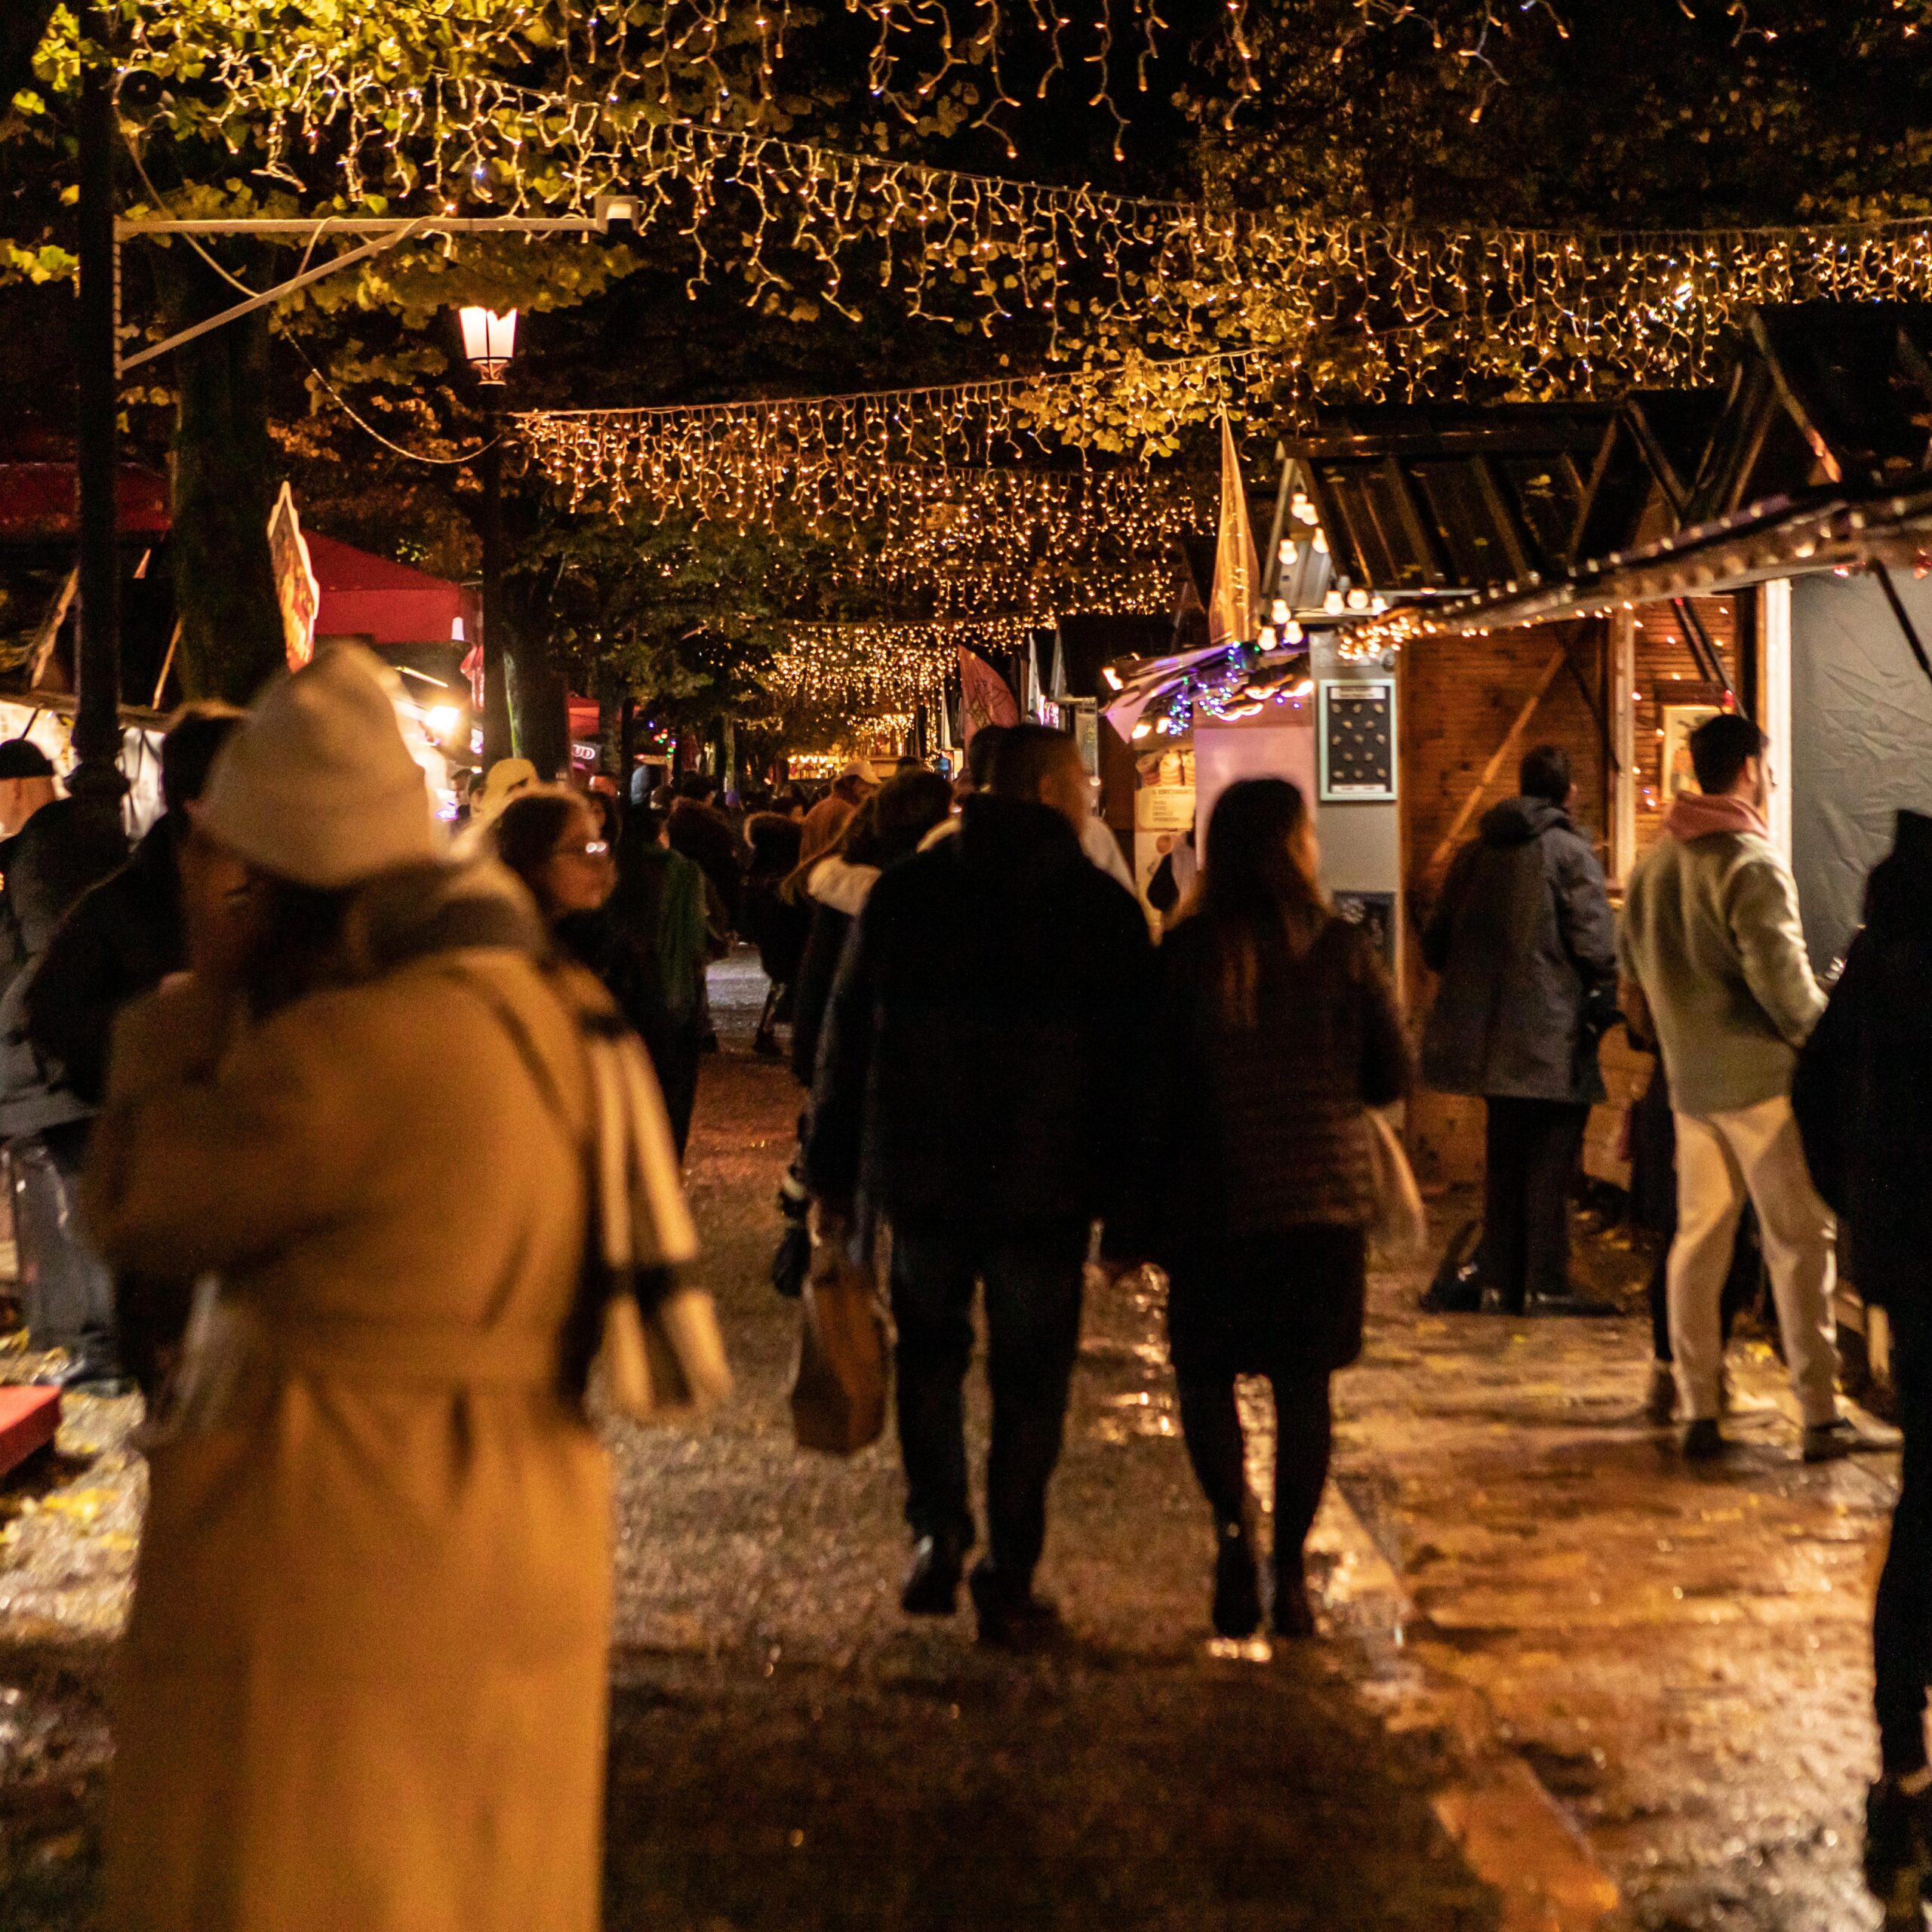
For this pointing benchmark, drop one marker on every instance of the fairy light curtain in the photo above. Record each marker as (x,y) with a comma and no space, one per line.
(867,669)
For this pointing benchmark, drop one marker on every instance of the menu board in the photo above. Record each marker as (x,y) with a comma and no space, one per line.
(1358,739)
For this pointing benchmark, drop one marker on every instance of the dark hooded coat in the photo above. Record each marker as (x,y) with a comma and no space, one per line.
(1862,1092)
(978,1070)
(1525,943)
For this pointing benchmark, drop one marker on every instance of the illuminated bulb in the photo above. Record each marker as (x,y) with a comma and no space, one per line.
(1332,603)
(1290,550)
(442,720)
(1264,639)
(1141,729)
(1358,600)
(1112,676)
(1293,633)
(1278,611)
(1321,542)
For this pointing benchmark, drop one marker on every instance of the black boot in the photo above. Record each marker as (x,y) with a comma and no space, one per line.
(1898,1849)
(932,1584)
(1011,1616)
(1237,1582)
(1293,1615)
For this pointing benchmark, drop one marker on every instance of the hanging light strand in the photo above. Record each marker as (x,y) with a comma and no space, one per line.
(1409,314)
(861,670)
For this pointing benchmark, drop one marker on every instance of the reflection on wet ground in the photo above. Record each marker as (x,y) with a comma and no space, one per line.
(1554,1652)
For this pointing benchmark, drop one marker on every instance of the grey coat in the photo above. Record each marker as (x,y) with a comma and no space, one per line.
(1525,943)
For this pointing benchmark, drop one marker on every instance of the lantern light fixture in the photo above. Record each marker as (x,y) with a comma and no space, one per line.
(489,341)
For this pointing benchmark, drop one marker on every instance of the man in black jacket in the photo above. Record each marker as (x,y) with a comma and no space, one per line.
(1862,1095)
(975,1084)
(1523,939)
(119,940)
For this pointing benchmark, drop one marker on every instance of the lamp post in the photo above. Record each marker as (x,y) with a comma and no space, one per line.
(97,725)
(489,343)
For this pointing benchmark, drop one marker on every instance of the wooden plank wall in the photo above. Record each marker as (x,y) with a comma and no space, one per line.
(1459,698)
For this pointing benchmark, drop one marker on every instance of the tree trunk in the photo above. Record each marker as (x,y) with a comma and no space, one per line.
(540,705)
(224,488)
(538,691)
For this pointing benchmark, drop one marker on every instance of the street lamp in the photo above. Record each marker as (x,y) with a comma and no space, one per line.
(489,342)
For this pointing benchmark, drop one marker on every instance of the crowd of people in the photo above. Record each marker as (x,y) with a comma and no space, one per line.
(324,1082)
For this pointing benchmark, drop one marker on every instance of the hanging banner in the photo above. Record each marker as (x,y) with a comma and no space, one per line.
(296,590)
(983,697)
(1237,569)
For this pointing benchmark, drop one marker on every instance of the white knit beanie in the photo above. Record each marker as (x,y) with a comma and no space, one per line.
(317,787)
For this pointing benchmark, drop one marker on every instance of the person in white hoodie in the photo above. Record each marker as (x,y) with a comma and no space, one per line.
(1711,936)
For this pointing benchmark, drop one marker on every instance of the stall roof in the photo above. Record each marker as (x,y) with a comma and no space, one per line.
(1774,539)
(1816,454)
(368,596)
(1824,395)
(40,502)
(1449,499)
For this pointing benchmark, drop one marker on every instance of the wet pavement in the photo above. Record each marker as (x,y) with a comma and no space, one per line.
(1565,1681)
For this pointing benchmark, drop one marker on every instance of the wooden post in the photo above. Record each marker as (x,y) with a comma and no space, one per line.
(1623,736)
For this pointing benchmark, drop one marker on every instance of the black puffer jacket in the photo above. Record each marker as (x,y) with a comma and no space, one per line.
(979,1069)
(120,939)
(1524,939)
(1862,1092)
(1257,1123)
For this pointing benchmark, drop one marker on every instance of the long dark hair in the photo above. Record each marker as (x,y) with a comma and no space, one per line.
(1254,897)
(887,827)
(526,834)
(297,942)
(890,825)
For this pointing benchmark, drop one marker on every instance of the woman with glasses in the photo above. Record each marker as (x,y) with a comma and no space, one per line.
(555,840)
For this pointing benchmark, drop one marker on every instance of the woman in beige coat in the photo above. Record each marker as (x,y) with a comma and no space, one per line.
(365,1680)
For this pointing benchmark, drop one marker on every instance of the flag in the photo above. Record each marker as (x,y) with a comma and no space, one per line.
(1237,570)
(296,590)
(983,697)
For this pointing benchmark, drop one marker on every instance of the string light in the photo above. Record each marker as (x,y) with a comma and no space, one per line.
(713,457)
(1406,314)
(784,216)
(905,481)
(296,70)
(864,670)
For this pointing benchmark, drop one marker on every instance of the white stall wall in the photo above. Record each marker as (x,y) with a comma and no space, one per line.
(1223,753)
(1861,743)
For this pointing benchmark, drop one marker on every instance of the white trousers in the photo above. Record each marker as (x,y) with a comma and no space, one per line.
(1720,1158)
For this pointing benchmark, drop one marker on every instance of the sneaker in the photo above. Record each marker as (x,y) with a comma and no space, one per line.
(1660,1398)
(1010,1619)
(1898,1849)
(932,1584)
(1237,1584)
(1703,1440)
(1828,1441)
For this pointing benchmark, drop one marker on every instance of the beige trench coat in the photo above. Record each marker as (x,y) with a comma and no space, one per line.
(365,1673)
